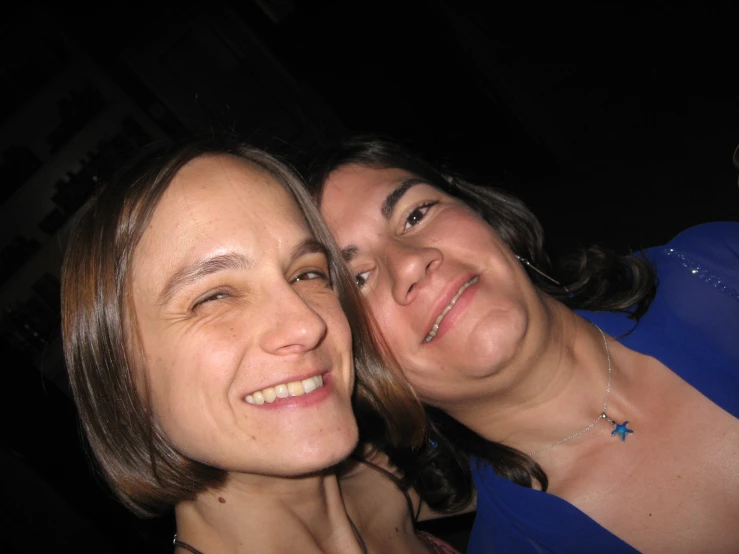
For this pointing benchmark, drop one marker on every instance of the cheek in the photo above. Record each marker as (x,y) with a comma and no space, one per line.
(475,241)
(335,319)
(392,329)
(338,328)
(498,336)
(180,370)
(464,229)
(339,335)
(165,379)
(384,310)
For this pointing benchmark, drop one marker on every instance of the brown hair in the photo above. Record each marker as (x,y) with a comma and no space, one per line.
(102,349)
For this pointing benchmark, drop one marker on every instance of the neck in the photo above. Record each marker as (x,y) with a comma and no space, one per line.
(553,388)
(268,514)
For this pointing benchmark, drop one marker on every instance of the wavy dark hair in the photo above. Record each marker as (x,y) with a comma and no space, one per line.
(597,279)
(103,352)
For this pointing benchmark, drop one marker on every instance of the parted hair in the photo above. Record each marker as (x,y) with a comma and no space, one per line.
(597,279)
(103,352)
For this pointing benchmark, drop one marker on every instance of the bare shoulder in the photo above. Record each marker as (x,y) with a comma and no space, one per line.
(375,482)
(373,495)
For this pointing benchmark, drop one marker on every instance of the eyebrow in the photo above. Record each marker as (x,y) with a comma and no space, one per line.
(223,262)
(349,253)
(202,268)
(392,199)
(387,208)
(309,246)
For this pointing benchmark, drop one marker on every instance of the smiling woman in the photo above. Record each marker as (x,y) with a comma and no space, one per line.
(212,340)
(232,296)
(600,416)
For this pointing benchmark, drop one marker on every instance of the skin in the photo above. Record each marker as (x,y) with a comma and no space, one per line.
(265,315)
(411,264)
(520,368)
(241,328)
(257,311)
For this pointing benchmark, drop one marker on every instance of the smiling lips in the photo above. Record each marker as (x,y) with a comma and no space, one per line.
(446,310)
(295,388)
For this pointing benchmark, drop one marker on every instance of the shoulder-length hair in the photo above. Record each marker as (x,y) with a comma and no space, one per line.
(597,279)
(103,352)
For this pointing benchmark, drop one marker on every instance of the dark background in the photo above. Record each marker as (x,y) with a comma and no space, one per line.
(615,124)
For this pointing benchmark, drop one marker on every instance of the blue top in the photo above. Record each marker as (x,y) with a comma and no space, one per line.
(692,327)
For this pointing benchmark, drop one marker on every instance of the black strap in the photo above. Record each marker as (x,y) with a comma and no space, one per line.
(185,545)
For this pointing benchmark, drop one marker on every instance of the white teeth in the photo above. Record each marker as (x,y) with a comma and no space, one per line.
(309,385)
(269,395)
(294,388)
(463,288)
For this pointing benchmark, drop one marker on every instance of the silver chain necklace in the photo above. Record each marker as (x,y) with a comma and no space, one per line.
(619,429)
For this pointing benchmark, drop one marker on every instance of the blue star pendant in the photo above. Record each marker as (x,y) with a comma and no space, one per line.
(621,430)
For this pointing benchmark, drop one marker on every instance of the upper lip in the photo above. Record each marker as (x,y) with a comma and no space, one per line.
(450,292)
(291,379)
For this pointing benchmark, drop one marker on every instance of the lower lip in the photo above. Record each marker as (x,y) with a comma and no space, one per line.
(455,313)
(302,401)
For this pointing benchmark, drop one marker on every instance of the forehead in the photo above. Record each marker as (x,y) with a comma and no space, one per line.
(218,204)
(359,201)
(353,180)
(217,191)
(222,177)
(356,192)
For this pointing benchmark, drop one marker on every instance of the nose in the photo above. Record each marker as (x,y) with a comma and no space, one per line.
(291,325)
(410,266)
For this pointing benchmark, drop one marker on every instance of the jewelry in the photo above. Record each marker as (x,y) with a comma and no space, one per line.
(358,534)
(540,272)
(619,429)
(184,545)
(194,550)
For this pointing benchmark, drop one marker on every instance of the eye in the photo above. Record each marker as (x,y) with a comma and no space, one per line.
(361,278)
(416,215)
(312,275)
(210,297)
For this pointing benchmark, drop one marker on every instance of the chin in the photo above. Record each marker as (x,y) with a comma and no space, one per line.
(333,448)
(493,346)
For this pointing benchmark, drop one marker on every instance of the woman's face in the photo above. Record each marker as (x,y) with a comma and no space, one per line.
(247,351)
(450,298)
